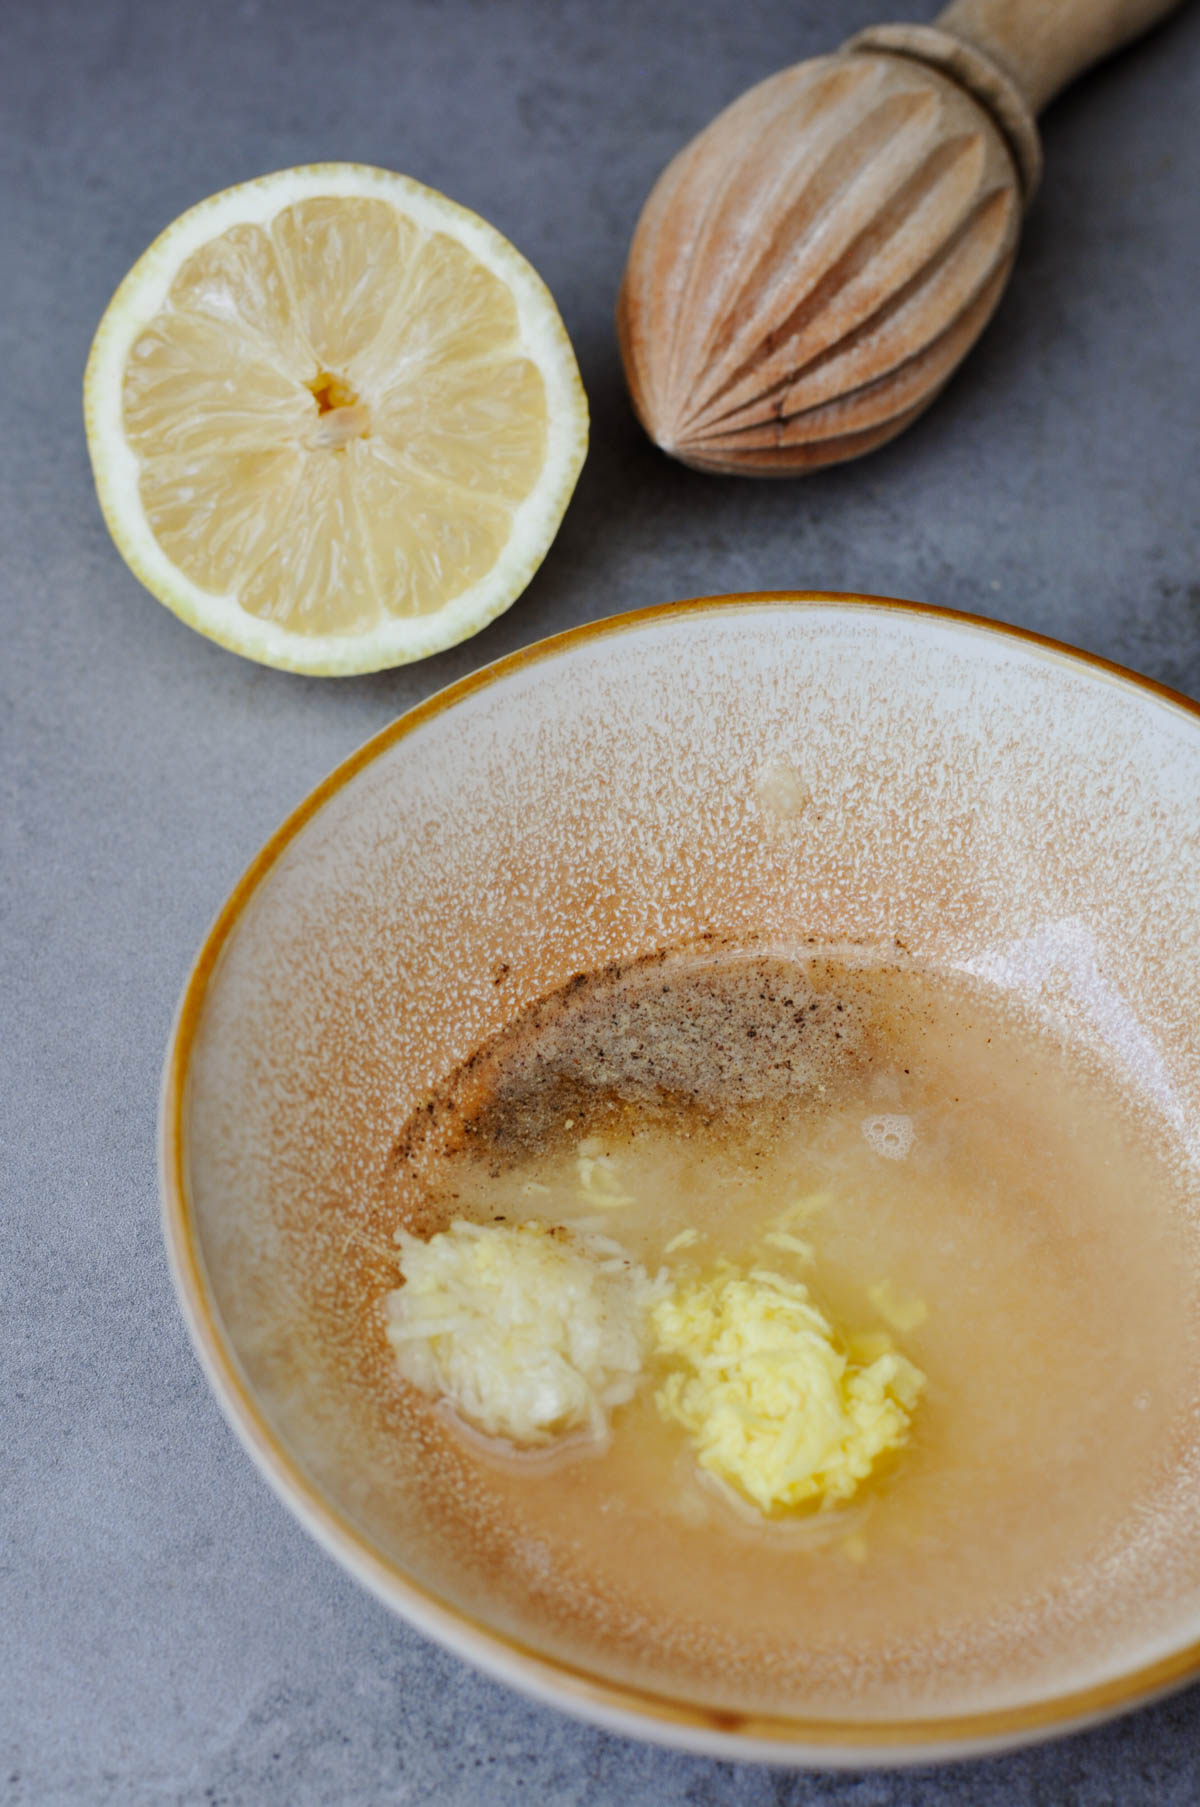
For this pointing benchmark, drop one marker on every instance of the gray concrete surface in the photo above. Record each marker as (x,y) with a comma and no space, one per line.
(167,1633)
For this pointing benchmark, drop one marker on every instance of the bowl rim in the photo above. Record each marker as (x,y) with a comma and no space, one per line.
(819,1742)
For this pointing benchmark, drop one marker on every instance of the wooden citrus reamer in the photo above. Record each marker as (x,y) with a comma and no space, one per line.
(810,269)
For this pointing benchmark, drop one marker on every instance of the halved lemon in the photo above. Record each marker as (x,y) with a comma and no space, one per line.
(334,419)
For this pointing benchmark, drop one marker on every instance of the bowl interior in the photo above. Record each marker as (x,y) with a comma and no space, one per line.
(995,805)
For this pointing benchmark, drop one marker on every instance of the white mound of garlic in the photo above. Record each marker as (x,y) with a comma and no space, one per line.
(531,1332)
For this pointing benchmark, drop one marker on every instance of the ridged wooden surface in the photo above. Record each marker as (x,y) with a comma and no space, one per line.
(809,270)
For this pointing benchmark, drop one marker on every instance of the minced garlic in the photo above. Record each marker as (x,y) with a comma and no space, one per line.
(530,1332)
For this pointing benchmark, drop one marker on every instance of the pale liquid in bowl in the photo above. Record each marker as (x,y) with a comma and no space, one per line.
(962,1156)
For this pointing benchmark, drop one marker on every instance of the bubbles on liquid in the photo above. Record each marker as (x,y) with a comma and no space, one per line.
(890,1135)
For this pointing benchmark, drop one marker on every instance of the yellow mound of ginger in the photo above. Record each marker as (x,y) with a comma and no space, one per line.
(770,1402)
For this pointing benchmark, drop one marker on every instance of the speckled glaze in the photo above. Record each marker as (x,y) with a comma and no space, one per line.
(773,767)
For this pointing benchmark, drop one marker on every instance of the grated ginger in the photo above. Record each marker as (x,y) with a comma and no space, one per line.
(771,1405)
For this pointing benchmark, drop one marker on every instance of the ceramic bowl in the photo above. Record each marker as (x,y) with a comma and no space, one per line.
(992,800)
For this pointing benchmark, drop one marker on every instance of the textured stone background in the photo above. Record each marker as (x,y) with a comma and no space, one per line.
(167,1633)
